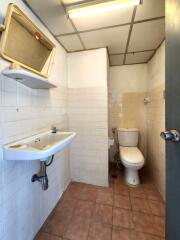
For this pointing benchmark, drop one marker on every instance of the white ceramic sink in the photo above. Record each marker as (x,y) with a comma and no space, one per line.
(38,147)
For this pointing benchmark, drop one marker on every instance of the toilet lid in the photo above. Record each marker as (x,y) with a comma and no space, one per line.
(131,155)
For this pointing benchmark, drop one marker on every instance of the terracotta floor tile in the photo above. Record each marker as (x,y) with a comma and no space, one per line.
(144,236)
(88,194)
(75,187)
(91,187)
(122,201)
(119,180)
(149,186)
(140,205)
(78,228)
(72,192)
(100,231)
(102,213)
(153,195)
(78,184)
(84,208)
(148,224)
(87,212)
(66,206)
(57,224)
(157,208)
(122,218)
(107,189)
(143,222)
(46,236)
(123,234)
(121,189)
(104,198)
(159,226)
(138,192)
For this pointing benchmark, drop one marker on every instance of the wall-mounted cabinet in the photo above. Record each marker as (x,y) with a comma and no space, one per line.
(23,43)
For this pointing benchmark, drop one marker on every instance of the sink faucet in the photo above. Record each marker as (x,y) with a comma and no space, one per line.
(54,129)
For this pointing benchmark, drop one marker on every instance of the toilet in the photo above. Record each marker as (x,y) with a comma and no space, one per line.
(131,157)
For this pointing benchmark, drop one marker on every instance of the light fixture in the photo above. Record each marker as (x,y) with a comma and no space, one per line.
(100,7)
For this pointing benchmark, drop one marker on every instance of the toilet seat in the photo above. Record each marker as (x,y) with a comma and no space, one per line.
(131,156)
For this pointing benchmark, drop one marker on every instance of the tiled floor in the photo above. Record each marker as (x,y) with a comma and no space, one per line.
(88,212)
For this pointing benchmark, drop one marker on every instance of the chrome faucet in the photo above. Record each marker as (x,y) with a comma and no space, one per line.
(54,129)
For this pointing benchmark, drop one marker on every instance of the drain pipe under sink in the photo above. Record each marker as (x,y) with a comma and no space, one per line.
(41,176)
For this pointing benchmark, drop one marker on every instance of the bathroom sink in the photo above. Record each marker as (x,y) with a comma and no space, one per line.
(38,147)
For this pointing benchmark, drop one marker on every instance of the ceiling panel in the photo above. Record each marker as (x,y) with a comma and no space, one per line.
(72,1)
(52,14)
(138,57)
(150,9)
(71,42)
(147,35)
(114,38)
(116,59)
(119,16)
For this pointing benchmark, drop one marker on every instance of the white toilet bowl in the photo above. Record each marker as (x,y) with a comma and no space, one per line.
(130,155)
(133,160)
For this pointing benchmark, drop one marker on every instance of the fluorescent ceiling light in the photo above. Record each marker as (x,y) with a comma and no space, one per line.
(101,7)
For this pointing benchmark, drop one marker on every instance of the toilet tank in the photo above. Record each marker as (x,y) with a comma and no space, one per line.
(128,137)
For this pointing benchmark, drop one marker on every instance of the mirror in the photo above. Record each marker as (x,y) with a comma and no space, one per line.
(23,43)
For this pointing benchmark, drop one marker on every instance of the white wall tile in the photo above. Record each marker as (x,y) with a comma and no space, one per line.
(23,112)
(88,111)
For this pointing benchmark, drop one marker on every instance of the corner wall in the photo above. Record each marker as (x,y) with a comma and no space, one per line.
(23,112)
(127,89)
(88,116)
(128,85)
(156,119)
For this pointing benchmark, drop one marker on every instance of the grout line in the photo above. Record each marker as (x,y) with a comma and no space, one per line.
(73,25)
(95,29)
(127,64)
(112,226)
(148,50)
(91,221)
(91,30)
(149,19)
(112,26)
(129,35)
(53,35)
(78,35)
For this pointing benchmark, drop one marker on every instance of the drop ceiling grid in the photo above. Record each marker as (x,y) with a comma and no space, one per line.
(79,44)
(128,40)
(129,35)
(73,26)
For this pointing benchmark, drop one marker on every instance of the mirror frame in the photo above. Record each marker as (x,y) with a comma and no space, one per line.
(12,8)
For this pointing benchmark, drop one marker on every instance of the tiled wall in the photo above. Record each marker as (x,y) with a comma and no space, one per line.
(23,112)
(88,116)
(127,89)
(156,119)
(128,86)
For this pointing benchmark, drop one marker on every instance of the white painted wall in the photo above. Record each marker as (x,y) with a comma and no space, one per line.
(87,69)
(156,68)
(156,119)
(23,112)
(130,78)
(88,116)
